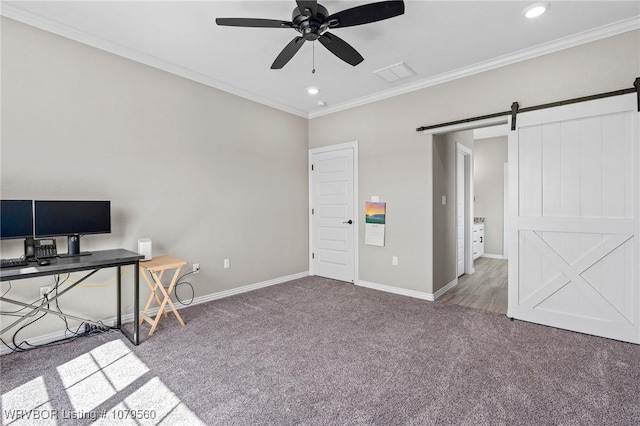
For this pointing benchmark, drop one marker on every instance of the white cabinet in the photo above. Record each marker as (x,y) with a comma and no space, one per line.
(478,240)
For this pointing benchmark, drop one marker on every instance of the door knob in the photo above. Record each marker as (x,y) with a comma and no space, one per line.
(348,221)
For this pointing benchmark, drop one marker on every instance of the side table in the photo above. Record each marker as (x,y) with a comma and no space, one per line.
(154,269)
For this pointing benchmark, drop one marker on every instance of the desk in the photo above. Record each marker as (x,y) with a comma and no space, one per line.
(116,258)
(156,268)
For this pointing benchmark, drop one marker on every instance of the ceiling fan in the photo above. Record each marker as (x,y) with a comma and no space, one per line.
(312,20)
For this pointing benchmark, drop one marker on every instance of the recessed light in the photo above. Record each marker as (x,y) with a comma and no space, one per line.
(312,90)
(536,9)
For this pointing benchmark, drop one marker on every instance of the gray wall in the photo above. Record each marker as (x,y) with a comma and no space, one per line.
(205,174)
(395,160)
(444,216)
(489,156)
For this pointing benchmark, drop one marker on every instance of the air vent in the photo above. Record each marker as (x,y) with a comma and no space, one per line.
(395,72)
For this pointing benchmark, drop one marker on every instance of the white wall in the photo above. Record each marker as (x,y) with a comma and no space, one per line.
(395,160)
(205,174)
(489,156)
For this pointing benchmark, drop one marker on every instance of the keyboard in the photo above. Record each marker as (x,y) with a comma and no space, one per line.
(13,263)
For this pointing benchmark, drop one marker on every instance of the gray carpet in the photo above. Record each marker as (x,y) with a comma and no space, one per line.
(315,351)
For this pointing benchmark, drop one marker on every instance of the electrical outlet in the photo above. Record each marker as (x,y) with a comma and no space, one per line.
(44,290)
(226,264)
(196,268)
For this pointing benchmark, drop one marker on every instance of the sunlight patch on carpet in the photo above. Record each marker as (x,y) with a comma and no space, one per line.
(29,402)
(94,382)
(94,377)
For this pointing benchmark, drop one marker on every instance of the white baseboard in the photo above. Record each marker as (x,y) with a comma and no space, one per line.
(445,289)
(41,340)
(494,256)
(57,335)
(397,290)
(222,294)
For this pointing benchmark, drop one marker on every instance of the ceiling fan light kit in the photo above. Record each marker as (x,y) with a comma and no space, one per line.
(312,21)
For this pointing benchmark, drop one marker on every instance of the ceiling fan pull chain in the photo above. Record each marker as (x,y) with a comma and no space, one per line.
(313,49)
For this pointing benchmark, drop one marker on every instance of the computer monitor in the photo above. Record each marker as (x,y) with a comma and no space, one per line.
(72,219)
(16,219)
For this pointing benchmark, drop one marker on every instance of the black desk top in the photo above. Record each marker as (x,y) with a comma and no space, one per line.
(63,265)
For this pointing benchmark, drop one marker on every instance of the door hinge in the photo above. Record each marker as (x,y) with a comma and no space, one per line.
(312,167)
(313,255)
(312,211)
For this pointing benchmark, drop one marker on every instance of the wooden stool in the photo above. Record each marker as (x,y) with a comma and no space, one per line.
(156,267)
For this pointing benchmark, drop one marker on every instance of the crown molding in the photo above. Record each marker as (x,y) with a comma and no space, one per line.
(501,61)
(37,21)
(83,37)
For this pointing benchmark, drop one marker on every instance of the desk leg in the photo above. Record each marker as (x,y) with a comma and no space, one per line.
(135,338)
(136,303)
(119,297)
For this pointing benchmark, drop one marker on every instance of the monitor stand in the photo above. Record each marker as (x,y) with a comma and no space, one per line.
(73,244)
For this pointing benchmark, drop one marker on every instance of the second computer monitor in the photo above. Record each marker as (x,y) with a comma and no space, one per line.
(72,219)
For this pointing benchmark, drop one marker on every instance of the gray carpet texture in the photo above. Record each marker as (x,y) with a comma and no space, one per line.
(314,351)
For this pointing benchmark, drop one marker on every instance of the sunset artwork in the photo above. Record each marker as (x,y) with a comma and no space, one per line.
(375,213)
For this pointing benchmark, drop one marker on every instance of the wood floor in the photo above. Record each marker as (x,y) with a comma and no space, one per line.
(485,289)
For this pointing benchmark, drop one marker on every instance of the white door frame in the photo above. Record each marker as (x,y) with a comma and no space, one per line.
(468,206)
(356,214)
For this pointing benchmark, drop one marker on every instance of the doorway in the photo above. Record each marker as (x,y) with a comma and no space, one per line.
(469,168)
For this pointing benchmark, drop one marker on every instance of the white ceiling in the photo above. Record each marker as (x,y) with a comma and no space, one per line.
(439,40)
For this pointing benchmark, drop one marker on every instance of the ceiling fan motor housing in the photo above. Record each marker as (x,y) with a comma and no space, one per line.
(311,27)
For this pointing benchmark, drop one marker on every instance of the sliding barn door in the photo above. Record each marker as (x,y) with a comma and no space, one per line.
(574,218)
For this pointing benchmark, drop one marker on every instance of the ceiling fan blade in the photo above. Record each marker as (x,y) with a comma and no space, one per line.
(311,5)
(287,53)
(253,22)
(365,14)
(341,48)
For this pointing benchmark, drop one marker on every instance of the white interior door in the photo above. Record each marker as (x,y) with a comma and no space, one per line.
(574,218)
(460,212)
(333,222)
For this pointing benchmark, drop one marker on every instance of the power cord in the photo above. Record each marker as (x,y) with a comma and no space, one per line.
(75,334)
(179,283)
